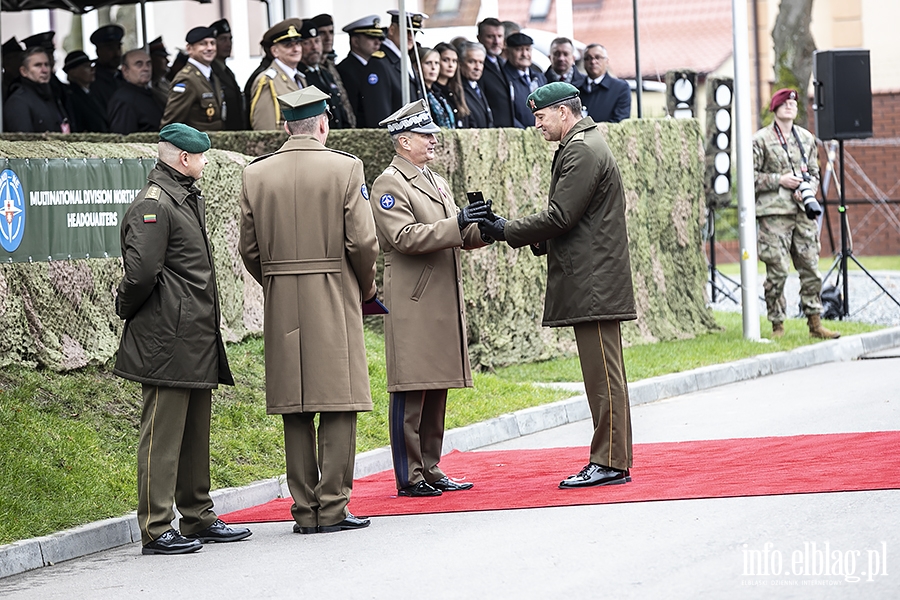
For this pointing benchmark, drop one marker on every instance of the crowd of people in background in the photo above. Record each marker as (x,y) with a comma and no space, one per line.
(467,83)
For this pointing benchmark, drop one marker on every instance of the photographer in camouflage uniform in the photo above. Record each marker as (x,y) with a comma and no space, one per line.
(786,173)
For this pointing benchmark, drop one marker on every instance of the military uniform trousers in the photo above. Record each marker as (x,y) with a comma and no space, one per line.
(782,238)
(173,461)
(603,369)
(320,499)
(417,435)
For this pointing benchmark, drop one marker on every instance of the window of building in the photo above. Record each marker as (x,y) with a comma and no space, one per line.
(539,10)
(445,7)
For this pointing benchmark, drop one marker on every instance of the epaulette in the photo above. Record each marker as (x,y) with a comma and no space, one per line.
(259,158)
(153,192)
(270,73)
(344,153)
(390,170)
(378,54)
(579,137)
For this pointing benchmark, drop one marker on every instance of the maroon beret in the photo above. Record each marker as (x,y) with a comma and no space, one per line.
(782,96)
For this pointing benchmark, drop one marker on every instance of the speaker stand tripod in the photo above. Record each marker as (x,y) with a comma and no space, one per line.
(846,252)
(713,272)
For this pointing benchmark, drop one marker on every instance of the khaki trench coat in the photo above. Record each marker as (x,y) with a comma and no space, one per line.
(583,233)
(425,332)
(308,237)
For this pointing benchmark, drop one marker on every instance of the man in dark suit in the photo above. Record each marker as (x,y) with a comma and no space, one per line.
(522,75)
(133,107)
(32,107)
(233,114)
(493,81)
(605,97)
(310,67)
(389,57)
(562,63)
(87,113)
(362,76)
(471,68)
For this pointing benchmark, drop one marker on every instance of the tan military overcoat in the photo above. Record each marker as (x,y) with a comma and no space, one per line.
(265,112)
(307,235)
(425,332)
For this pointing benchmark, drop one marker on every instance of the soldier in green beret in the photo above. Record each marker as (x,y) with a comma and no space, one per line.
(172,345)
(582,232)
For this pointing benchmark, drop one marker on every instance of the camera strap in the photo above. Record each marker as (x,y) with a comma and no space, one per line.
(804,165)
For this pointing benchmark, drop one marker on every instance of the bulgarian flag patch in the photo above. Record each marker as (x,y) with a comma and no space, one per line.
(149,218)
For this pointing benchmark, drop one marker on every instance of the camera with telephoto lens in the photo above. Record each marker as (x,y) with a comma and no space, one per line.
(810,204)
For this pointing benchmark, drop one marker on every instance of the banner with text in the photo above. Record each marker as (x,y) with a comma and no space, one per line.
(65,208)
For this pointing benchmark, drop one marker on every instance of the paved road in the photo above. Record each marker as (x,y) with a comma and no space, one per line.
(675,549)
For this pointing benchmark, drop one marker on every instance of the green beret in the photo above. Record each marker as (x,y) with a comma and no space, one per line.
(185,138)
(552,93)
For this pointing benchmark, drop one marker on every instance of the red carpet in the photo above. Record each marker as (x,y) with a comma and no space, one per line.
(664,471)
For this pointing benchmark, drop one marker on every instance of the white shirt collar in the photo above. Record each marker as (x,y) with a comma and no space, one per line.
(359,58)
(387,43)
(291,73)
(207,71)
(598,80)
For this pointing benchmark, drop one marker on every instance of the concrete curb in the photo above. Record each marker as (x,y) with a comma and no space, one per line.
(34,553)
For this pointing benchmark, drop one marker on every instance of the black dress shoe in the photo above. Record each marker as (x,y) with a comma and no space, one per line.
(220,532)
(305,530)
(349,522)
(445,484)
(419,490)
(594,474)
(627,475)
(171,542)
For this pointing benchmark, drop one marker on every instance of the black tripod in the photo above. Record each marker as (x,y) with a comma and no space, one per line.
(713,286)
(846,252)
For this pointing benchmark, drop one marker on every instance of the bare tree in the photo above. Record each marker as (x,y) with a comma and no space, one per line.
(794,46)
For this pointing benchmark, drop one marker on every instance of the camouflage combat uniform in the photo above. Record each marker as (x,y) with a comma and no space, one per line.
(784,230)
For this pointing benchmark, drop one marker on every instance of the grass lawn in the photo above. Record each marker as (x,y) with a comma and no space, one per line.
(67,441)
(871,263)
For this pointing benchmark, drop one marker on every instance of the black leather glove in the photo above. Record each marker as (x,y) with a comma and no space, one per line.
(496,229)
(813,209)
(476,212)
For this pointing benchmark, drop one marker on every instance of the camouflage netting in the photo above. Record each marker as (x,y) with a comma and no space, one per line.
(60,315)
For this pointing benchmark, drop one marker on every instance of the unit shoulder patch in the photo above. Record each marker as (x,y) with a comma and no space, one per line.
(387,202)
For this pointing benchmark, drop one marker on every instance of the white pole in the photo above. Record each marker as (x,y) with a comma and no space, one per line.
(240,29)
(404,56)
(744,154)
(565,25)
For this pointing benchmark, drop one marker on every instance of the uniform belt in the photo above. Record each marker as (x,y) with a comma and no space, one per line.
(301,267)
